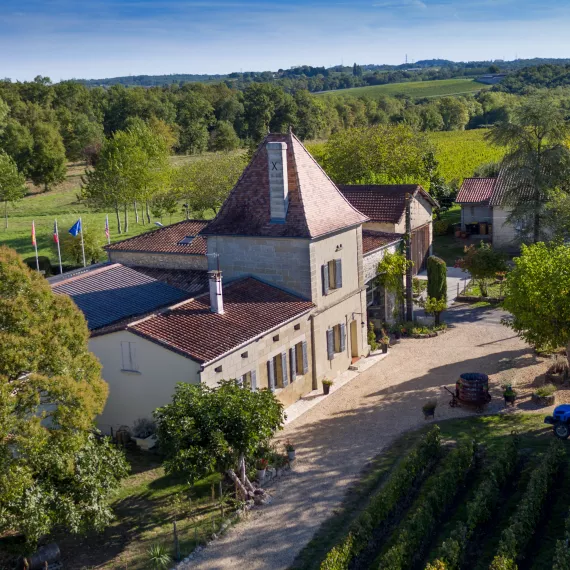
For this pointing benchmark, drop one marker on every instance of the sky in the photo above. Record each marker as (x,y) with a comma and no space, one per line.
(65,39)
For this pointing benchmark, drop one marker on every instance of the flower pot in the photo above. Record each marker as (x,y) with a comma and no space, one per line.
(291,455)
(510,399)
(261,475)
(326,389)
(384,348)
(429,414)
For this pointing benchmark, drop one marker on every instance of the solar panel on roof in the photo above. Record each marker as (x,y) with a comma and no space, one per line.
(186,240)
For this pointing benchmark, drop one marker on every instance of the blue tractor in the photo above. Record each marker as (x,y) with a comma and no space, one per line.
(560,419)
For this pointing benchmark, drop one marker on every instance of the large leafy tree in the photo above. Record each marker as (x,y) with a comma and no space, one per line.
(537,163)
(537,293)
(12,184)
(47,162)
(207,430)
(483,263)
(54,472)
(382,154)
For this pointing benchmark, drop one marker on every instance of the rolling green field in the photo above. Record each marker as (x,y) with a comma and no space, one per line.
(436,88)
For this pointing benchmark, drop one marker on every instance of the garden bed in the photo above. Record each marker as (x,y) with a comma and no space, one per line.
(472,293)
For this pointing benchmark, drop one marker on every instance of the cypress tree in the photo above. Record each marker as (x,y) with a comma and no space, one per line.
(437,278)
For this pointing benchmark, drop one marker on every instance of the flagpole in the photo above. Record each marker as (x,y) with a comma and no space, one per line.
(58,248)
(36,245)
(82,244)
(108,232)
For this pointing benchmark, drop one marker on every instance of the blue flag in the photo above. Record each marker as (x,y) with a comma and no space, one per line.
(75,228)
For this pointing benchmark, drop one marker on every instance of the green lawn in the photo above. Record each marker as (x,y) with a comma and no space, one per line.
(491,432)
(418,89)
(495,290)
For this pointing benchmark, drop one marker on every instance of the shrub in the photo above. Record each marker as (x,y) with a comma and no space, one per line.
(523,522)
(545,391)
(435,307)
(143,428)
(480,507)
(437,278)
(372,336)
(441,227)
(43,262)
(562,553)
(440,491)
(483,263)
(560,366)
(158,557)
(419,286)
(404,476)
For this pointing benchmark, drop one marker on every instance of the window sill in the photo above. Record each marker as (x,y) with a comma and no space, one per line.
(135,372)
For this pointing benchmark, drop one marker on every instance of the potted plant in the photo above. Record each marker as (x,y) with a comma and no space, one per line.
(545,395)
(290,449)
(261,467)
(429,409)
(509,394)
(384,342)
(327,386)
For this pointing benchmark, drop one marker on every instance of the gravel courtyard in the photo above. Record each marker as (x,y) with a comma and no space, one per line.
(337,438)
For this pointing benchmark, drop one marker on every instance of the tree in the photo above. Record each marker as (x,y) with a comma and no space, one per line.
(437,278)
(379,155)
(205,184)
(218,429)
(53,470)
(454,113)
(536,295)
(47,163)
(223,137)
(72,251)
(391,271)
(18,143)
(537,162)
(483,263)
(12,184)
(435,307)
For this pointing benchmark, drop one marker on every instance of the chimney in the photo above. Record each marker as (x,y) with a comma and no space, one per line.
(216,297)
(278,185)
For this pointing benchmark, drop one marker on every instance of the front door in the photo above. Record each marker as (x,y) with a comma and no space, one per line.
(355,353)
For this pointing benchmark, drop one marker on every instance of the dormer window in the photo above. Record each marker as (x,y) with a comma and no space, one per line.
(186,240)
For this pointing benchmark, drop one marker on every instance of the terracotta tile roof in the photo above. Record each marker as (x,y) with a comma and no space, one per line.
(193,281)
(114,292)
(166,240)
(316,207)
(476,190)
(251,308)
(372,240)
(511,182)
(382,202)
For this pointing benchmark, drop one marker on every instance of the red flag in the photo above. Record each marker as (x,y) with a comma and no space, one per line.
(55,233)
(33,233)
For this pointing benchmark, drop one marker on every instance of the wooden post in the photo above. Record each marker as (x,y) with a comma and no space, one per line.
(176,542)
(409,292)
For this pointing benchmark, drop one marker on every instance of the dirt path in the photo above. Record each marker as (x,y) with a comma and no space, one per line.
(337,438)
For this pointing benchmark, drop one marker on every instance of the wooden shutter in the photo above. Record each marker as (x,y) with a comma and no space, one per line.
(253,380)
(305,358)
(325,274)
(293,359)
(271,375)
(330,344)
(284,368)
(338,273)
(342,337)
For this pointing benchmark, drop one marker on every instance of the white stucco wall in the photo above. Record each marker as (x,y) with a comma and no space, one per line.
(475,214)
(504,233)
(134,395)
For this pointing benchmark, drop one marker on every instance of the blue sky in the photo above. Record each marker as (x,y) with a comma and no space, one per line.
(105,38)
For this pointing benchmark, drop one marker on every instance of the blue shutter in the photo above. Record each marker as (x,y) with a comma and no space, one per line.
(325,273)
(271,375)
(330,344)
(338,273)
(253,380)
(284,366)
(342,337)
(293,358)
(305,358)
(240,380)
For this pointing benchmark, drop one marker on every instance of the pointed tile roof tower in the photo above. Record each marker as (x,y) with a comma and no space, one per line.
(312,204)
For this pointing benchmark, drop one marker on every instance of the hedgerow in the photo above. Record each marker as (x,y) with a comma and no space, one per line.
(440,490)
(479,508)
(562,553)
(523,522)
(384,503)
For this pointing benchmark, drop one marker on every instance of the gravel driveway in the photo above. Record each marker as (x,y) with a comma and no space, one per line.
(337,438)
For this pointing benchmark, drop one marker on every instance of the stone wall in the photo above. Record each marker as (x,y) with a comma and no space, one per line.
(162,260)
(283,262)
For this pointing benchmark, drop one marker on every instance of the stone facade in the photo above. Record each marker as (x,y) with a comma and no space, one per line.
(161,260)
(283,262)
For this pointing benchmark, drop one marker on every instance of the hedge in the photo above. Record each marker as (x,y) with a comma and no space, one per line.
(562,553)
(385,502)
(440,491)
(523,522)
(479,508)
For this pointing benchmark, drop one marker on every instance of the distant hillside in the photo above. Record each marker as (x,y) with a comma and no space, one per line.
(540,76)
(151,80)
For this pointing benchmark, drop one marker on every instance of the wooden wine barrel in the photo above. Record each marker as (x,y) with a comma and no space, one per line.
(473,387)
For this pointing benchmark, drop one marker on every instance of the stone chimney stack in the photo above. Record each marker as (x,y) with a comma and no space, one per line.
(278,184)
(216,296)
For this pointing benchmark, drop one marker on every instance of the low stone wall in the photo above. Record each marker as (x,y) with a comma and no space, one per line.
(478,299)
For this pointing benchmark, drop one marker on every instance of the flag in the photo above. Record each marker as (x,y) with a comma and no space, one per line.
(107,228)
(34,233)
(55,233)
(75,228)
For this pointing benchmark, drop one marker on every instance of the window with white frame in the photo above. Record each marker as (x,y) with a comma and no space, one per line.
(129,357)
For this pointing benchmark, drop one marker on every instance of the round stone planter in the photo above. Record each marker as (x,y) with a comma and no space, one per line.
(291,455)
(543,401)
(557,379)
(261,475)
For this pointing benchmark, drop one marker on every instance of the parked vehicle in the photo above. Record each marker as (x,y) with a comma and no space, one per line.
(560,419)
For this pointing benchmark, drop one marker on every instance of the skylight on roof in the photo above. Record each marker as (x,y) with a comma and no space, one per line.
(187,240)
